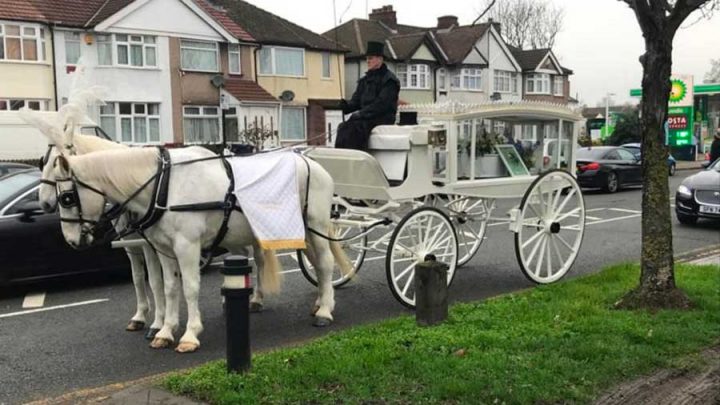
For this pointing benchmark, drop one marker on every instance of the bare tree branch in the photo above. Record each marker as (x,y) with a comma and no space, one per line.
(528,23)
(489,6)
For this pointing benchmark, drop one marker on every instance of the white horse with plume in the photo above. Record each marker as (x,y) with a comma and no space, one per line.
(118,175)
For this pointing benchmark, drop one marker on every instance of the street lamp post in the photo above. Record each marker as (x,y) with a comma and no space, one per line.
(607,112)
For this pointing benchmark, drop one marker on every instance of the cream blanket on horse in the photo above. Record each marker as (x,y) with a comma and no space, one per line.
(266,187)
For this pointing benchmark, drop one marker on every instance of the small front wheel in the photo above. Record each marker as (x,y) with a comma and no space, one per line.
(424,231)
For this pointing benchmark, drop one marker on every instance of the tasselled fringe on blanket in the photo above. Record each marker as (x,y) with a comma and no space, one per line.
(266,187)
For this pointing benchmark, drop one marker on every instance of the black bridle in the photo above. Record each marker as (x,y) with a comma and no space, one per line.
(70,199)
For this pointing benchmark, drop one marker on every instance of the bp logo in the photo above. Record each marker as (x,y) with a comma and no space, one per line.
(677,91)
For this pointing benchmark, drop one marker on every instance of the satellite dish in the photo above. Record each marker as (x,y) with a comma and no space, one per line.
(287,95)
(218,81)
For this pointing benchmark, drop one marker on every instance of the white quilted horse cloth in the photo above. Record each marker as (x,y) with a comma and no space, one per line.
(266,187)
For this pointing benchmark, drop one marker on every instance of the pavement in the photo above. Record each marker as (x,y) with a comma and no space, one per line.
(689,164)
(146,390)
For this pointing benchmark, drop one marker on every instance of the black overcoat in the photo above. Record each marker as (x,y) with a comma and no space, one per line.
(374,103)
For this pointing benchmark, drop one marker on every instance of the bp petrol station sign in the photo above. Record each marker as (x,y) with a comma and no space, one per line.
(681,112)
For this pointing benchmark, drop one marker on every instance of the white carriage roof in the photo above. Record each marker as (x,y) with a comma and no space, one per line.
(510,111)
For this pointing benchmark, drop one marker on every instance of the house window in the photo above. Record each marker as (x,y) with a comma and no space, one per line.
(441,79)
(230,125)
(133,122)
(22,42)
(201,124)
(200,56)
(413,76)
(505,81)
(558,86)
(135,50)
(17,104)
(293,124)
(104,43)
(234,59)
(326,65)
(72,47)
(537,83)
(467,79)
(282,61)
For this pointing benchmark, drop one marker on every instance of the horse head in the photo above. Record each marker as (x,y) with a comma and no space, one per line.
(81,204)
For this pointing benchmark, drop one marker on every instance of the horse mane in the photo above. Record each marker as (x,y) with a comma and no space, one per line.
(90,143)
(126,169)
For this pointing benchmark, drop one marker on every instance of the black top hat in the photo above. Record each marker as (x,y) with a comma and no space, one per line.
(375,48)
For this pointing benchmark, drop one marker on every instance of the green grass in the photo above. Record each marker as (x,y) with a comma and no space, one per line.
(557,343)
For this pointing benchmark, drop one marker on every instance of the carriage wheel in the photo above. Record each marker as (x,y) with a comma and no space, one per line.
(550,227)
(355,250)
(425,230)
(470,216)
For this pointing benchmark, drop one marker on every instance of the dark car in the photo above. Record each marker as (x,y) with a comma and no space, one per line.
(635,149)
(698,196)
(32,243)
(607,167)
(12,167)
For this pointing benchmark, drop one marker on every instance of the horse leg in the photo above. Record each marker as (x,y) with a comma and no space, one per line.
(154,271)
(323,262)
(137,322)
(256,300)
(188,254)
(171,284)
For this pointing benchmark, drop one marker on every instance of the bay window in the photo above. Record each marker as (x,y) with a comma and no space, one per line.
(234,59)
(201,124)
(537,83)
(198,55)
(558,86)
(72,47)
(129,50)
(17,104)
(505,81)
(22,42)
(281,61)
(415,76)
(292,125)
(467,79)
(131,122)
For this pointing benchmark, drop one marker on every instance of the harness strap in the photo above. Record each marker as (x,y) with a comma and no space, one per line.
(158,205)
(228,208)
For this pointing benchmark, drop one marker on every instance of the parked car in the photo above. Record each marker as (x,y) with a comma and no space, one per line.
(607,167)
(698,196)
(635,149)
(12,167)
(33,246)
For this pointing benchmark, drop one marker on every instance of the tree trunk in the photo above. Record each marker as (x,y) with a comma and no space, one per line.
(657,287)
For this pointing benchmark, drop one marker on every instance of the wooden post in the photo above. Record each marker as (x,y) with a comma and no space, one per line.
(431,298)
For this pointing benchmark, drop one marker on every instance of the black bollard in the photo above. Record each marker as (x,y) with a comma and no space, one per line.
(237,288)
(431,298)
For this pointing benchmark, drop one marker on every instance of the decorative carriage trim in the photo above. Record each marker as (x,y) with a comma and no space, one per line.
(494,108)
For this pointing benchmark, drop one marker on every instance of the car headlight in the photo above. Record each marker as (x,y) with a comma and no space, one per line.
(684,191)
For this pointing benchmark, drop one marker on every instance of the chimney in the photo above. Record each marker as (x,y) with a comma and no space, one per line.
(385,15)
(447,21)
(495,24)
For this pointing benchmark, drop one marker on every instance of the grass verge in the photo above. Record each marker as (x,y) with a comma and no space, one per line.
(550,344)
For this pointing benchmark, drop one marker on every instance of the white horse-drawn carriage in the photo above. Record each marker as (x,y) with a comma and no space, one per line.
(431,192)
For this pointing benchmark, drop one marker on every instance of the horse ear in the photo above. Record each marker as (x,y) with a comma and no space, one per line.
(64,164)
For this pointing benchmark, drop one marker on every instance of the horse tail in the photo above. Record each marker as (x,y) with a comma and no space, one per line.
(342,260)
(270,276)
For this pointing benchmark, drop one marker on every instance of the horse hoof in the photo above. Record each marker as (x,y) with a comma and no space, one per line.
(160,343)
(135,326)
(187,347)
(150,334)
(321,322)
(314,310)
(256,307)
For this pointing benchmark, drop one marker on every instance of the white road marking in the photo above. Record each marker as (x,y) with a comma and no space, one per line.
(625,210)
(32,311)
(34,300)
(603,221)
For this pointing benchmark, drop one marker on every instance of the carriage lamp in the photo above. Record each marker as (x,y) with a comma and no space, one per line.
(237,288)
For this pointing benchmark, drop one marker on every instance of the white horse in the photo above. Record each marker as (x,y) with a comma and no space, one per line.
(118,176)
(140,257)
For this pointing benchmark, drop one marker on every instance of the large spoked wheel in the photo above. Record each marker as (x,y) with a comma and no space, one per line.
(469,216)
(355,250)
(550,227)
(425,230)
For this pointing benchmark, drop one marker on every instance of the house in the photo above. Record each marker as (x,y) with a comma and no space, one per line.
(301,69)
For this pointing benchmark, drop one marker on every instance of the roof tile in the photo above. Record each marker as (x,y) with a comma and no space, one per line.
(247,90)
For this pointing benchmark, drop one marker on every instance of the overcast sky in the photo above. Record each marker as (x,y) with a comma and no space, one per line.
(600,40)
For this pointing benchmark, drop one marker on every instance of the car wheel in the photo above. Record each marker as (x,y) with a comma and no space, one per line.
(686,219)
(612,184)
(672,169)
